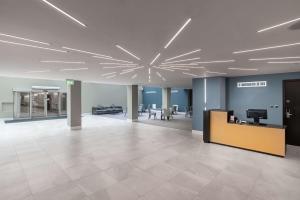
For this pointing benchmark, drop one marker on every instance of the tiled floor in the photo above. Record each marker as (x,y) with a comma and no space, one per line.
(112,159)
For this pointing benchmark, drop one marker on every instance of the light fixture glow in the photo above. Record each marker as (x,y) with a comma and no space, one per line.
(190,74)
(20,38)
(134,76)
(64,13)
(276,58)
(125,50)
(158,74)
(38,71)
(107,58)
(215,61)
(178,32)
(27,45)
(126,72)
(156,57)
(278,25)
(180,61)
(180,69)
(163,78)
(64,62)
(115,67)
(112,76)
(266,48)
(107,74)
(188,67)
(284,62)
(87,52)
(211,72)
(117,64)
(185,54)
(242,69)
(149,70)
(181,64)
(74,69)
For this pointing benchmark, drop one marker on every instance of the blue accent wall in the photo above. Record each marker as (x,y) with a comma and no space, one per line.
(198,103)
(153,95)
(241,99)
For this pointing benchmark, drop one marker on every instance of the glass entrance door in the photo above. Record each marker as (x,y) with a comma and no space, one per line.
(39,103)
(52,104)
(21,105)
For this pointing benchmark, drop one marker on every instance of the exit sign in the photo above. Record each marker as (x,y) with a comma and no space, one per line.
(70,82)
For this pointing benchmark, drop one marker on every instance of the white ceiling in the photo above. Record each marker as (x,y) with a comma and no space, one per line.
(218,27)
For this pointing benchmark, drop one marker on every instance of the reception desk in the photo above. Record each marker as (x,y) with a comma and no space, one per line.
(268,139)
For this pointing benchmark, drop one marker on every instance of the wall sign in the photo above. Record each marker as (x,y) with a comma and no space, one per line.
(150,92)
(252,84)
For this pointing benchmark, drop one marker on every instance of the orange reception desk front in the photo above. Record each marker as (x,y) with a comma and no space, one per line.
(265,138)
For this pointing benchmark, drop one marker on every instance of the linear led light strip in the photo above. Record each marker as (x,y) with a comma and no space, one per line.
(112,76)
(74,69)
(276,58)
(167,69)
(27,45)
(188,67)
(64,13)
(156,57)
(185,54)
(211,72)
(64,62)
(26,39)
(134,76)
(117,64)
(107,58)
(215,61)
(178,32)
(126,72)
(180,60)
(114,67)
(126,51)
(284,62)
(266,48)
(190,74)
(38,71)
(107,74)
(278,25)
(181,64)
(180,69)
(242,69)
(87,52)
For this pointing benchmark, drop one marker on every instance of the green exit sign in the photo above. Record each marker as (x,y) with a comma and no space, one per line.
(70,82)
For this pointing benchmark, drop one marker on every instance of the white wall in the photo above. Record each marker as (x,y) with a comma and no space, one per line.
(92,94)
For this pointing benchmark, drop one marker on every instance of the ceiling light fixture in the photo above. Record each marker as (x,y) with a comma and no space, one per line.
(180,69)
(64,13)
(87,52)
(278,25)
(158,74)
(178,32)
(284,62)
(215,61)
(276,58)
(112,76)
(149,70)
(134,76)
(242,69)
(181,60)
(156,57)
(27,45)
(115,67)
(64,62)
(185,54)
(126,72)
(163,78)
(38,71)
(167,69)
(107,58)
(181,64)
(20,38)
(74,69)
(266,48)
(210,72)
(195,75)
(116,64)
(125,50)
(108,74)
(188,67)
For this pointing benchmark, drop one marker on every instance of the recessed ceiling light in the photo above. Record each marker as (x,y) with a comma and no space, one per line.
(125,50)
(115,67)
(112,59)
(112,76)
(38,71)
(278,25)
(106,74)
(117,64)
(20,38)
(178,32)
(64,62)
(185,54)
(276,58)
(87,52)
(181,64)
(266,48)
(64,13)
(215,61)
(242,69)
(284,62)
(134,76)
(74,69)
(27,45)
(176,61)
(190,74)
(156,57)
(210,72)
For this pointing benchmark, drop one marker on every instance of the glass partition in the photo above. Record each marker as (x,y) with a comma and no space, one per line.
(21,105)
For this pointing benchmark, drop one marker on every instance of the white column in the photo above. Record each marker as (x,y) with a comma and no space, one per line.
(132,102)
(166,98)
(74,104)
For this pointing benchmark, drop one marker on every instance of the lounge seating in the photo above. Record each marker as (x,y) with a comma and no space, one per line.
(100,110)
(166,113)
(151,113)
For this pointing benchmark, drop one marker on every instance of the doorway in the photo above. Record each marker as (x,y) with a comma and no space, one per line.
(291,111)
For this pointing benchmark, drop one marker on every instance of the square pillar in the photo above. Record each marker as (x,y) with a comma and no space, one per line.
(74,104)
(132,102)
(166,98)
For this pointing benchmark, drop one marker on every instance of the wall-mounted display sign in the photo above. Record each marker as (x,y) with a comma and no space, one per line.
(252,84)
(151,92)
(174,91)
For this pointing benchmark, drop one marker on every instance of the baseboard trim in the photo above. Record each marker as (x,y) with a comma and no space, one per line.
(73,128)
(197,132)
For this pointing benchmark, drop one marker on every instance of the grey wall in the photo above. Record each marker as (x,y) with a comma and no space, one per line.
(198,103)
(216,93)
(241,99)
(92,94)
